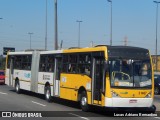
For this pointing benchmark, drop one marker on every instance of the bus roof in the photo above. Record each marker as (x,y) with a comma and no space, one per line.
(126,47)
(20,53)
(31,52)
(111,50)
(127,52)
(88,49)
(51,52)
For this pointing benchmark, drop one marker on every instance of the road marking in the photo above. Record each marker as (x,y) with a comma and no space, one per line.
(38,103)
(157,117)
(3,93)
(78,116)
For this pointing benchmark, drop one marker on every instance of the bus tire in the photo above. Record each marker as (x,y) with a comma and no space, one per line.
(17,87)
(83,102)
(48,94)
(152,109)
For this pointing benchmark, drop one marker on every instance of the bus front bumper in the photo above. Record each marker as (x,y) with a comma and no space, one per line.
(128,102)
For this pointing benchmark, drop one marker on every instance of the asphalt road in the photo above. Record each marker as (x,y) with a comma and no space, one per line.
(28,103)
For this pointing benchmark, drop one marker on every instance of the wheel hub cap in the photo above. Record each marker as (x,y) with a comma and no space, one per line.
(17,87)
(84,101)
(47,94)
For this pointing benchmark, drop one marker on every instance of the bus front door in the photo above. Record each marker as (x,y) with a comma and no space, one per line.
(97,77)
(57,71)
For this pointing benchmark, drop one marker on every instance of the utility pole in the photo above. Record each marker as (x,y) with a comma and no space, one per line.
(79,31)
(61,45)
(30,38)
(46,25)
(125,41)
(111,23)
(56,26)
(1,18)
(156,32)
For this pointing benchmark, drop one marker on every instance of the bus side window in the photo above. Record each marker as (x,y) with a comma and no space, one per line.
(65,63)
(29,66)
(87,70)
(84,64)
(71,68)
(42,67)
(18,62)
(50,68)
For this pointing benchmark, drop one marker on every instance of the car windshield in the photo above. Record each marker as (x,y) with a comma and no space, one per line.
(130,73)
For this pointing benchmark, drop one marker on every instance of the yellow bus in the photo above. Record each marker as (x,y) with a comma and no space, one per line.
(106,76)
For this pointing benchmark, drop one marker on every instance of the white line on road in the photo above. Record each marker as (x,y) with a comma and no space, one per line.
(157,117)
(78,116)
(38,103)
(3,93)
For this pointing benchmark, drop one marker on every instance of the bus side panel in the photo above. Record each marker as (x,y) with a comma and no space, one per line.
(89,97)
(71,83)
(69,94)
(25,85)
(7,76)
(66,93)
(43,78)
(24,78)
(10,73)
(34,71)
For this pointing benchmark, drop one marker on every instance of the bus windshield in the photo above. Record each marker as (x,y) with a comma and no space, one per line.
(130,73)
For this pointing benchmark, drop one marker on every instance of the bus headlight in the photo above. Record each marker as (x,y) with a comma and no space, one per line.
(114,94)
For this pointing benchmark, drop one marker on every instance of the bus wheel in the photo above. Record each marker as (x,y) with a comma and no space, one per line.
(48,93)
(83,102)
(17,87)
(156,91)
(152,109)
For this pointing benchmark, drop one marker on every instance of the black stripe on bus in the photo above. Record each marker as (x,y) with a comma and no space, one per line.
(74,89)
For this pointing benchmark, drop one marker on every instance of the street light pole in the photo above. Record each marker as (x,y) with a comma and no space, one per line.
(1,18)
(56,26)
(111,23)
(30,39)
(156,31)
(46,26)
(79,30)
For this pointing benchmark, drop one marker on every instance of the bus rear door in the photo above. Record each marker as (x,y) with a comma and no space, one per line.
(57,70)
